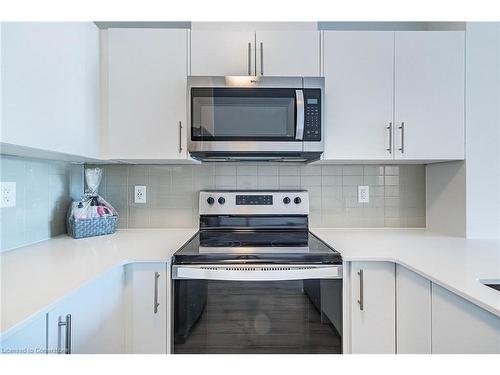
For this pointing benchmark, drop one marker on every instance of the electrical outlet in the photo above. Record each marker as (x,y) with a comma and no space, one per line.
(363,194)
(140,194)
(7,194)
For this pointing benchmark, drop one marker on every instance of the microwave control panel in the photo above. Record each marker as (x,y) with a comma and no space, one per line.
(312,115)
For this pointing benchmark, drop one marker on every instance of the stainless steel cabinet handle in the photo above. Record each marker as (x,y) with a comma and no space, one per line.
(389,128)
(402,128)
(156,304)
(180,137)
(249,58)
(67,323)
(261,58)
(361,292)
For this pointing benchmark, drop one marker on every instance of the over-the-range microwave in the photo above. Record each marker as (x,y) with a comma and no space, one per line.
(252,118)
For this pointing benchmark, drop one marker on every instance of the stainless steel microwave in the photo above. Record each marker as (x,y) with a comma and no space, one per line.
(249,118)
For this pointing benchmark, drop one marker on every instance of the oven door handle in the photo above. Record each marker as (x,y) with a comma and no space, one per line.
(299,100)
(256,273)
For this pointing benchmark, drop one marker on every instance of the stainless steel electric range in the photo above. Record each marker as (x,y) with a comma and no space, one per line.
(255,280)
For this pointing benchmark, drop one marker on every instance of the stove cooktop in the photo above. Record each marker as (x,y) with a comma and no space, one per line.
(256,246)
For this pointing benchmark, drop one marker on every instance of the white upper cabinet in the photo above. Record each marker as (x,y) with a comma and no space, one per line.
(429,94)
(288,53)
(222,52)
(220,49)
(147,72)
(50,86)
(358,70)
(372,306)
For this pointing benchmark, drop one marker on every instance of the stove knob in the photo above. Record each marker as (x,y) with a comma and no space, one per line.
(221,200)
(210,201)
(286,200)
(297,200)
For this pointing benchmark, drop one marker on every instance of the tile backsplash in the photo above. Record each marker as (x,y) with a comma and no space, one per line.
(397,193)
(42,200)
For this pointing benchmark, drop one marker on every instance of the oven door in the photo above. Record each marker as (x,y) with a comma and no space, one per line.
(257,309)
(246,119)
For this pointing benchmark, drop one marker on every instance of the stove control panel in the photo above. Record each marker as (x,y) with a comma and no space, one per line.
(223,202)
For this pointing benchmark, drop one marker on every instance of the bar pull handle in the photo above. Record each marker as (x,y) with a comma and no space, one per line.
(361,301)
(249,58)
(261,58)
(156,304)
(389,129)
(402,128)
(67,323)
(180,137)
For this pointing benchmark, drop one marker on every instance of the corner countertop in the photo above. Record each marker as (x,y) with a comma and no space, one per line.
(455,263)
(35,277)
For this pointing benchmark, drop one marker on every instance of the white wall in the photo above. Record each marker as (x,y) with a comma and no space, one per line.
(50,86)
(483,129)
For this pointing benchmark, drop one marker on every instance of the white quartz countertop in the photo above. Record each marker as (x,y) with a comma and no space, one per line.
(454,263)
(34,278)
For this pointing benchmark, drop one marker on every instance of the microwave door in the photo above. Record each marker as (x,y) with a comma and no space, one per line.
(299,105)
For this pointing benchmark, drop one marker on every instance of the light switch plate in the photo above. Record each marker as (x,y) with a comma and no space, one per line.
(7,194)
(363,194)
(140,194)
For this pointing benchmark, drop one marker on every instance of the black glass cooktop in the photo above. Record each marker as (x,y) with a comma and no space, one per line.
(256,246)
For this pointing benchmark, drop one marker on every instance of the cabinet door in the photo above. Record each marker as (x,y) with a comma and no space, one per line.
(288,53)
(460,327)
(373,321)
(413,307)
(147,73)
(50,86)
(429,94)
(358,69)
(222,52)
(32,339)
(149,308)
(97,318)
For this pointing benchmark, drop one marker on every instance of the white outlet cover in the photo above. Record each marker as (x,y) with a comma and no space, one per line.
(7,194)
(140,194)
(363,194)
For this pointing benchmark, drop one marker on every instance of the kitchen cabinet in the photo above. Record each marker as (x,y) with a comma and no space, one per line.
(146,94)
(372,308)
(220,52)
(149,312)
(50,87)
(459,326)
(97,318)
(30,339)
(358,70)
(394,95)
(288,52)
(429,94)
(413,312)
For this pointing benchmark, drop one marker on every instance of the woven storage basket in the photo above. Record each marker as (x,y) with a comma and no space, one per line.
(98,226)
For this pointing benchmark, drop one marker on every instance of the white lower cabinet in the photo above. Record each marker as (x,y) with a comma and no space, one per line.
(96,312)
(148,310)
(459,326)
(413,312)
(29,340)
(372,307)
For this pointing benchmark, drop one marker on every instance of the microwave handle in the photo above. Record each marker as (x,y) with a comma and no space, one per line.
(299,133)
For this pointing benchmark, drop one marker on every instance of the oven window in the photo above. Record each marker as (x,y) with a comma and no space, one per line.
(226,114)
(299,316)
